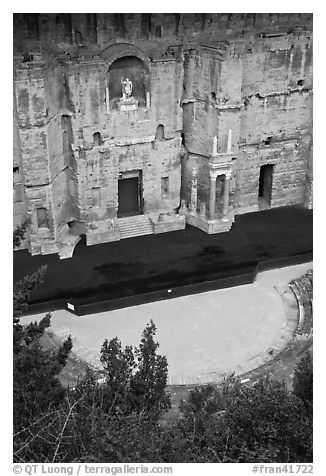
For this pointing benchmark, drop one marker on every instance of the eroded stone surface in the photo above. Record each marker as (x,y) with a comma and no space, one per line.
(195,77)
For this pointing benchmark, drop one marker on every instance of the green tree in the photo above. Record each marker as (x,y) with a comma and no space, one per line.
(35,374)
(19,233)
(135,379)
(119,366)
(148,384)
(22,293)
(303,380)
(36,385)
(241,423)
(113,419)
(266,422)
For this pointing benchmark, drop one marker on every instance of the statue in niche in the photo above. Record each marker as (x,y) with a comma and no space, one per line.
(126,85)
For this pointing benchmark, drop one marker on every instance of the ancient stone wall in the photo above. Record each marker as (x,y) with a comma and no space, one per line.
(199,76)
(20,208)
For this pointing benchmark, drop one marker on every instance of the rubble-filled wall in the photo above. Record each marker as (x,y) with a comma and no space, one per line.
(240,81)
(20,209)
(275,119)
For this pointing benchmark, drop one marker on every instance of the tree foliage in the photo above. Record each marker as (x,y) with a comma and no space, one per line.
(303,380)
(147,385)
(19,233)
(23,290)
(105,417)
(242,423)
(36,386)
(118,418)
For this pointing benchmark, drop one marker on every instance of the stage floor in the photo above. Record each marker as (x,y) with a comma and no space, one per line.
(156,262)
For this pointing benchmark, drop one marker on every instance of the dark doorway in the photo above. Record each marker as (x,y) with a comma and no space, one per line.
(265,186)
(129,195)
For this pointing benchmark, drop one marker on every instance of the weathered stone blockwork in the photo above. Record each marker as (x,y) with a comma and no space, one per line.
(219,122)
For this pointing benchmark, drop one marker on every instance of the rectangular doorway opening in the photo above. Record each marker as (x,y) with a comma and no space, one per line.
(265,186)
(130,193)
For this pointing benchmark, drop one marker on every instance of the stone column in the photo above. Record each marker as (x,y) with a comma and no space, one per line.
(214,150)
(148,100)
(212,194)
(226,195)
(303,60)
(107,99)
(229,144)
(193,199)
(203,210)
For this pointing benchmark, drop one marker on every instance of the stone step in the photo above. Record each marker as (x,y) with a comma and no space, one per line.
(134,223)
(135,230)
(134,234)
(135,219)
(138,225)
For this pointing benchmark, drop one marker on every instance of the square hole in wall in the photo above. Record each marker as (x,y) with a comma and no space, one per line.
(96,197)
(19,192)
(165,186)
(42,219)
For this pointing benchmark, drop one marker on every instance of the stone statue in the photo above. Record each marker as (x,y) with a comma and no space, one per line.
(126,88)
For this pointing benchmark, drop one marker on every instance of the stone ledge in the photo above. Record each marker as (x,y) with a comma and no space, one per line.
(209,226)
(169,223)
(96,238)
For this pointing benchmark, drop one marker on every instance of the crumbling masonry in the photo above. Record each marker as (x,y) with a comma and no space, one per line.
(219,122)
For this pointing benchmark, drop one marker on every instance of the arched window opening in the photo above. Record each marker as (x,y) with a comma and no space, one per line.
(159,132)
(96,139)
(220,182)
(183,139)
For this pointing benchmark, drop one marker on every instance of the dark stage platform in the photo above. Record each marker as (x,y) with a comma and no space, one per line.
(156,267)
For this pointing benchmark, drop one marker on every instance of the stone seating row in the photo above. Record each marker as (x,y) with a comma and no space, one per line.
(303,290)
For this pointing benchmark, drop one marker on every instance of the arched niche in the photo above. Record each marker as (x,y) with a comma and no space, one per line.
(97,139)
(136,71)
(159,132)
